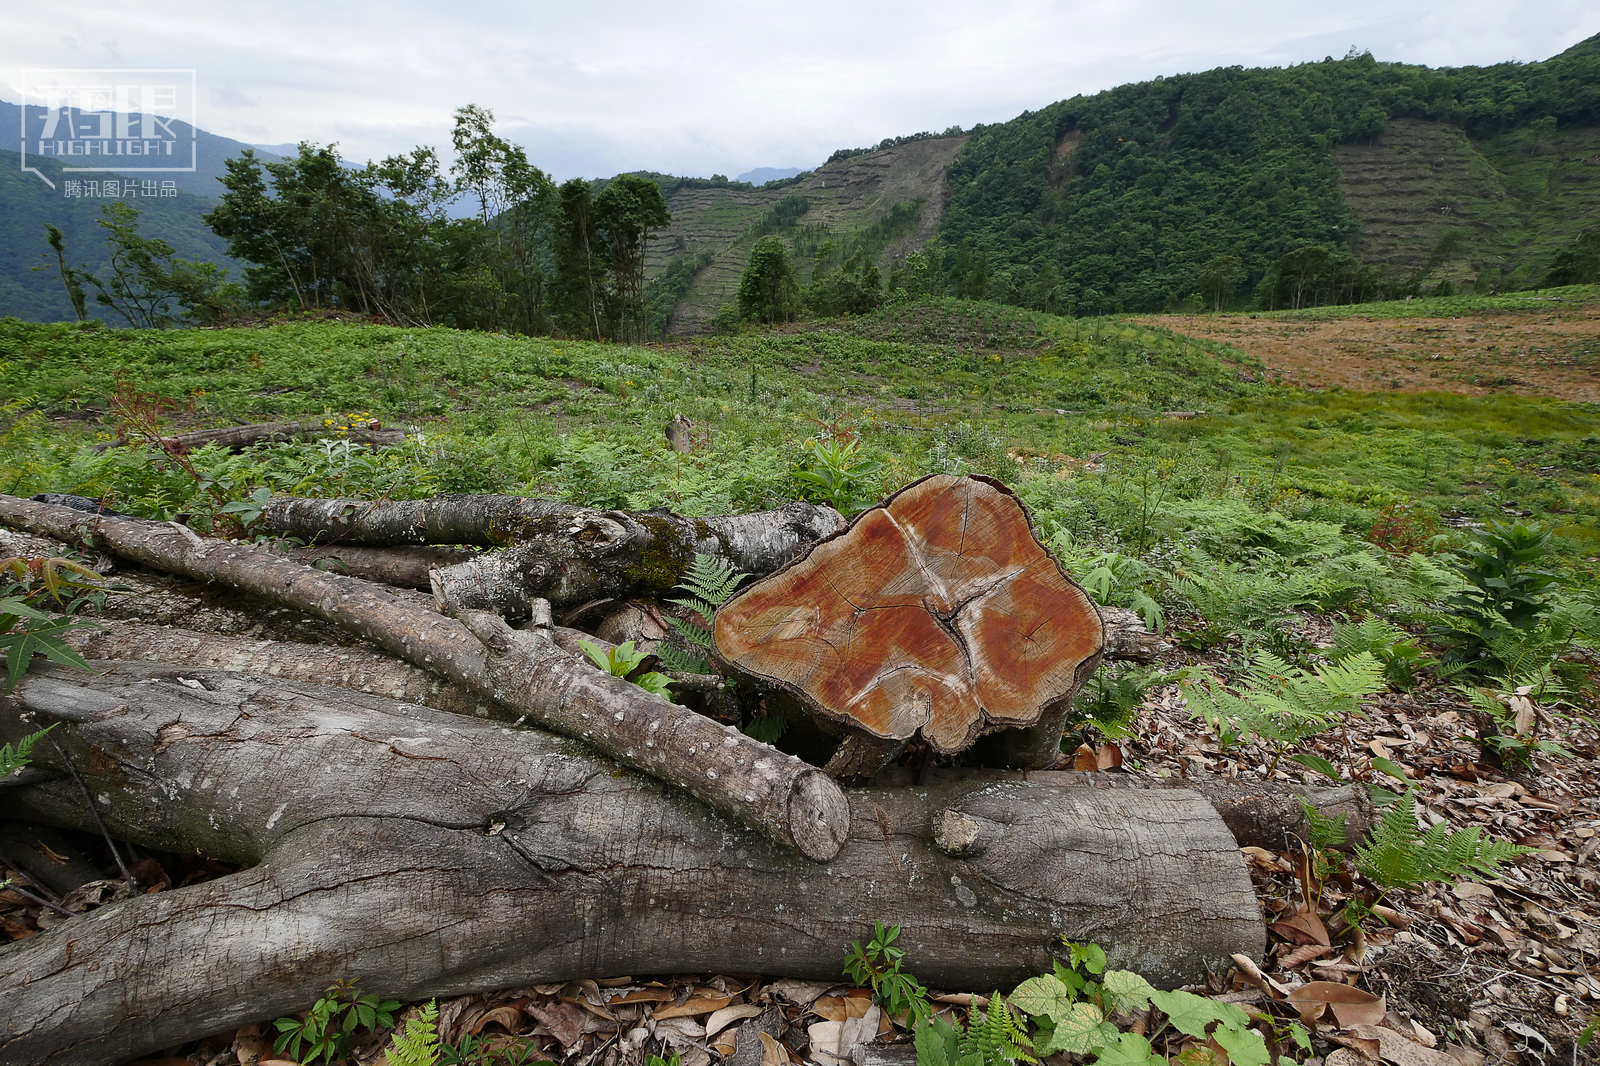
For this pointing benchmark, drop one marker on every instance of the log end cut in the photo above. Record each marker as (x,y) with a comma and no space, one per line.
(937,612)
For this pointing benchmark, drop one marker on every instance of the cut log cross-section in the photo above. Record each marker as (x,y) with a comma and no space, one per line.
(937,612)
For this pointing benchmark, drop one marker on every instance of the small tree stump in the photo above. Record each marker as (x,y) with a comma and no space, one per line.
(937,612)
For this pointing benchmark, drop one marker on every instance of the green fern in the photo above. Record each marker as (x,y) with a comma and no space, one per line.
(1400,855)
(710,582)
(13,760)
(1325,832)
(997,1038)
(419,1044)
(1281,705)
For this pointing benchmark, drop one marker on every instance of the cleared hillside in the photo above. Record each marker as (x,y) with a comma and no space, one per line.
(843,200)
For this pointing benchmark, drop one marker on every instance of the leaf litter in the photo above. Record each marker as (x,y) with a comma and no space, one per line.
(1473,972)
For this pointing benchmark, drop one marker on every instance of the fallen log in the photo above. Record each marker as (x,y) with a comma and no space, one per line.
(936,613)
(402,567)
(568,555)
(237,437)
(1259,814)
(447,855)
(774,793)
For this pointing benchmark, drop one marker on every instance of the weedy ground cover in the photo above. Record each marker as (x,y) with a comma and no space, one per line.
(1293,539)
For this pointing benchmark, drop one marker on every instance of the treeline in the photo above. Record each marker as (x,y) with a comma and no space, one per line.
(843,276)
(1124,200)
(380,241)
(893,142)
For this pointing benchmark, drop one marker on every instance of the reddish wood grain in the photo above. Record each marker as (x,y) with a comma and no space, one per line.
(936,611)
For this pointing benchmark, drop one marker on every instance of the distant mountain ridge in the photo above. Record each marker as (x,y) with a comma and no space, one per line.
(762,175)
(211,150)
(1475,176)
(27,204)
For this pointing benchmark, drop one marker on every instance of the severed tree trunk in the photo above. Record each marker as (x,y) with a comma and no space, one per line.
(529,674)
(433,855)
(267,433)
(936,613)
(565,554)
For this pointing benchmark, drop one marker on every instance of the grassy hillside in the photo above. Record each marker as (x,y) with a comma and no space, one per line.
(1125,195)
(27,204)
(1071,411)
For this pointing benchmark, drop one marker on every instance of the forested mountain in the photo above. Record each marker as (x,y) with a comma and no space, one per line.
(1336,181)
(1121,199)
(28,204)
(211,151)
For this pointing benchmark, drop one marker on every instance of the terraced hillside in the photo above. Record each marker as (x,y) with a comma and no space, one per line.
(842,199)
(1424,191)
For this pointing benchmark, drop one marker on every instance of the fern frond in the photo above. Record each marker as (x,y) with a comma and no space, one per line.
(1355,676)
(679,661)
(697,635)
(1399,855)
(711,580)
(419,1044)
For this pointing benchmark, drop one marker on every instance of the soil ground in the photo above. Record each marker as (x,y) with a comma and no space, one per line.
(1554,353)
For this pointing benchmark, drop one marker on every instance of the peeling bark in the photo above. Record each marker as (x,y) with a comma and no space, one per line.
(447,855)
(774,793)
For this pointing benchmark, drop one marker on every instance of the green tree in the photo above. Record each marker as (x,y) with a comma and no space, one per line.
(1578,263)
(1219,277)
(912,279)
(515,200)
(580,269)
(626,211)
(72,278)
(767,289)
(149,286)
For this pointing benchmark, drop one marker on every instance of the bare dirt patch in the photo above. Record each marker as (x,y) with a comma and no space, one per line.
(1555,353)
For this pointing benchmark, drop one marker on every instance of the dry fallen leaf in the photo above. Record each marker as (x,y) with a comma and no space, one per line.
(1350,1005)
(1399,1051)
(564,1021)
(642,995)
(1109,757)
(249,1046)
(1085,758)
(1365,1049)
(800,993)
(1303,928)
(1253,974)
(772,1052)
(721,1019)
(1303,954)
(507,1015)
(694,1005)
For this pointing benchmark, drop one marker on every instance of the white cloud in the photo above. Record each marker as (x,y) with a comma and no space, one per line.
(719,86)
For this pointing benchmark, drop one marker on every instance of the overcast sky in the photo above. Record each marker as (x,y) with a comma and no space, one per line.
(719,87)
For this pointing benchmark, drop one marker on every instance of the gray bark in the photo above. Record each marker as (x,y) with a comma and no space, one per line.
(584,556)
(268,433)
(774,793)
(433,855)
(403,567)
